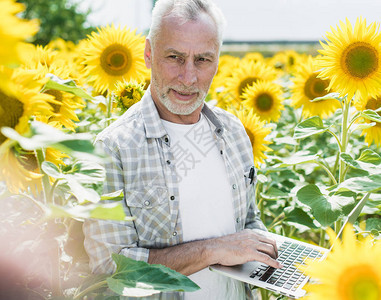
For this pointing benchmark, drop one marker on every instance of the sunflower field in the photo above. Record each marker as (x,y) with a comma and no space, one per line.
(314,123)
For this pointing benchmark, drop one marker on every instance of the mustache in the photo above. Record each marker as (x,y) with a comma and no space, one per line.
(184,89)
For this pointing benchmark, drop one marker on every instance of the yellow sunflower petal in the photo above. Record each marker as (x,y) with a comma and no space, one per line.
(13,32)
(114,54)
(352,59)
(350,272)
(257,132)
(308,86)
(265,98)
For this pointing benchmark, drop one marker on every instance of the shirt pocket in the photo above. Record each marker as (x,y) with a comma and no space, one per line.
(150,207)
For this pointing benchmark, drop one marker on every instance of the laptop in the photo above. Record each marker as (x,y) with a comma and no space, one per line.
(289,280)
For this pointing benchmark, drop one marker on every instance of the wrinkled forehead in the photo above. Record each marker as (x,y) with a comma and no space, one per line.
(200,32)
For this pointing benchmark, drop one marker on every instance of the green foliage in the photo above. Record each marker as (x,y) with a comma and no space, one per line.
(135,278)
(58,19)
(52,221)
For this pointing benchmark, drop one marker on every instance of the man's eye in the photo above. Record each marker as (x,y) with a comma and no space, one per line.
(202,59)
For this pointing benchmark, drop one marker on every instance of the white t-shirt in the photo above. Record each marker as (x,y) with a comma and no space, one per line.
(206,208)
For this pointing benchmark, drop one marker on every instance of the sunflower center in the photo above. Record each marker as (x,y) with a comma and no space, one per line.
(251,136)
(245,83)
(11,111)
(29,161)
(360,60)
(373,103)
(116,60)
(315,87)
(58,96)
(360,283)
(264,102)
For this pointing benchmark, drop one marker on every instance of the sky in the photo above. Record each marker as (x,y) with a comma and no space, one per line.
(251,20)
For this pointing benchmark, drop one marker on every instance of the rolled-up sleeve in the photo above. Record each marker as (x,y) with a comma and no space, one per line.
(105,237)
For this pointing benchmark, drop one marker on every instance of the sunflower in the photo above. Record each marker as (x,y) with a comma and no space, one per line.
(218,91)
(16,108)
(24,101)
(352,59)
(128,93)
(253,56)
(257,133)
(13,32)
(113,54)
(15,170)
(245,75)
(40,55)
(308,86)
(61,45)
(372,134)
(64,104)
(265,98)
(350,272)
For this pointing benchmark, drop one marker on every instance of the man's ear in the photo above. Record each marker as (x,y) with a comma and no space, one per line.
(148,54)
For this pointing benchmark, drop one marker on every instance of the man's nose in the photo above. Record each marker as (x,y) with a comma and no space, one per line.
(188,74)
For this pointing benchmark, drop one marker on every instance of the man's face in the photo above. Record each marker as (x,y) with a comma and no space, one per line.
(183,63)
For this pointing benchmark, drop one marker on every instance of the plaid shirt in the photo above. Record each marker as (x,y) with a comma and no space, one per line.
(142,164)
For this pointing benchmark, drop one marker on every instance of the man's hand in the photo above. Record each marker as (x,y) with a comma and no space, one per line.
(229,250)
(244,246)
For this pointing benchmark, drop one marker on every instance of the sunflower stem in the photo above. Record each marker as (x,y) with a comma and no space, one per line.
(264,294)
(344,140)
(109,107)
(336,137)
(333,179)
(91,288)
(343,149)
(45,179)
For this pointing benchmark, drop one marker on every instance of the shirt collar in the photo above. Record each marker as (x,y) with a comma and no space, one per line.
(153,125)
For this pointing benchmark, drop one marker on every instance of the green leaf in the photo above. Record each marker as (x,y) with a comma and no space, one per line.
(371,115)
(107,211)
(88,172)
(115,196)
(329,96)
(373,224)
(298,158)
(52,170)
(326,209)
(369,156)
(262,178)
(274,193)
(371,184)
(43,135)
(138,278)
(308,127)
(299,216)
(81,192)
(56,83)
(368,161)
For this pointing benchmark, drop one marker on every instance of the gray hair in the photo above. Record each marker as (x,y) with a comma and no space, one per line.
(185,10)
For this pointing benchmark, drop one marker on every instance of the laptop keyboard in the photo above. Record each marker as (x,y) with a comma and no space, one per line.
(291,255)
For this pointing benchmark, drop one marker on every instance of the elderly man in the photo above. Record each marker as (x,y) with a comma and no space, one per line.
(183,165)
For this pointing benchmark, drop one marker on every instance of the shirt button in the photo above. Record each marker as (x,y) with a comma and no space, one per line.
(174,233)
(166,139)
(172,198)
(234,186)
(222,152)
(168,162)
(146,203)
(237,220)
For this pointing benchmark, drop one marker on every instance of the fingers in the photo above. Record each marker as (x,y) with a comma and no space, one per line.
(268,248)
(273,250)
(262,257)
